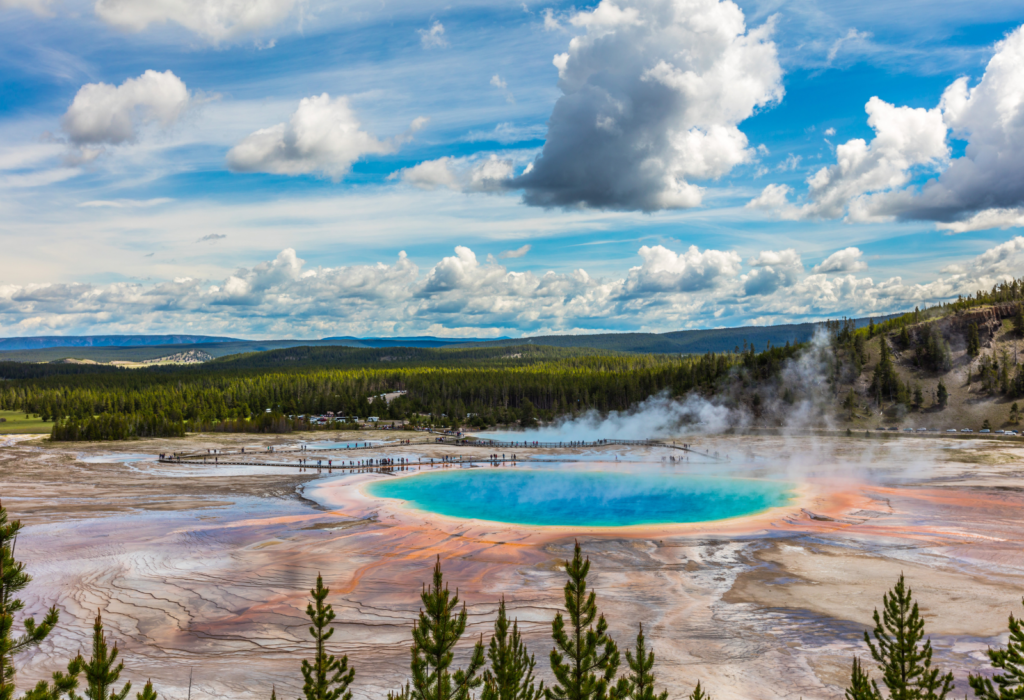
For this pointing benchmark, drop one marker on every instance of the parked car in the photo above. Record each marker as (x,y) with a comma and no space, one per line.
(908,430)
(966,430)
(922,430)
(951,430)
(893,429)
(984,430)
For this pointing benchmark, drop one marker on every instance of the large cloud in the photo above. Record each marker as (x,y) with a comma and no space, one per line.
(323,136)
(108,114)
(652,93)
(213,19)
(772,270)
(463,294)
(664,270)
(984,188)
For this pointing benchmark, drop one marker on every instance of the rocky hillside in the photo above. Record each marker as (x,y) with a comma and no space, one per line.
(975,355)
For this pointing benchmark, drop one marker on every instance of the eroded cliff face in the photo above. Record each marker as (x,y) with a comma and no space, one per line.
(989,320)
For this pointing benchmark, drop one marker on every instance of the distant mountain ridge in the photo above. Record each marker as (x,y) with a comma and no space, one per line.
(139,348)
(684,342)
(106,341)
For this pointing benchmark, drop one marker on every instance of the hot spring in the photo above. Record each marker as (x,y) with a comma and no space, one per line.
(578,498)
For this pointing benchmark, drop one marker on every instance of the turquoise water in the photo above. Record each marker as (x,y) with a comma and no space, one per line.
(582,498)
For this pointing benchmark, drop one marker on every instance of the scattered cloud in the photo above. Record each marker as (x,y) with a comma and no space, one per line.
(792,162)
(39,7)
(639,121)
(664,270)
(987,219)
(517,253)
(668,290)
(108,115)
(211,237)
(498,82)
(215,20)
(125,203)
(507,132)
(851,41)
(487,174)
(984,188)
(433,38)
(323,136)
(772,270)
(845,260)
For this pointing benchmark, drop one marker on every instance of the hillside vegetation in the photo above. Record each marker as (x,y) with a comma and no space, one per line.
(951,366)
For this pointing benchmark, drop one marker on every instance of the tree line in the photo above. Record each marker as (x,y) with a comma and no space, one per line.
(497,386)
(585,660)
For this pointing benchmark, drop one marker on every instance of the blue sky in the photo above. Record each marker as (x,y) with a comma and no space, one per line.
(300,168)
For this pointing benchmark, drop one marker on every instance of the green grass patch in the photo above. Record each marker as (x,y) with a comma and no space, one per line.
(16,423)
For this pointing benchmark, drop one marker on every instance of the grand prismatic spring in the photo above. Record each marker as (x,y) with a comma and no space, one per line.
(753,562)
(578,498)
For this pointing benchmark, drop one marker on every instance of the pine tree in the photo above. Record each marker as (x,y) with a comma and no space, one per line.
(698,694)
(585,659)
(149,694)
(100,672)
(1008,685)
(973,341)
(904,338)
(12,580)
(510,676)
(327,678)
(434,636)
(905,663)
(942,395)
(641,672)
(1018,321)
(861,687)
(885,381)
(527,419)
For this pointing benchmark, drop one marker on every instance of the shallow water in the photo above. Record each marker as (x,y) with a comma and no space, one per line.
(583,498)
(325,445)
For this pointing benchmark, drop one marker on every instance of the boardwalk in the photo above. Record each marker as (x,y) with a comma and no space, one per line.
(326,453)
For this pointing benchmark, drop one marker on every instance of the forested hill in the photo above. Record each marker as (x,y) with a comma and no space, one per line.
(486,386)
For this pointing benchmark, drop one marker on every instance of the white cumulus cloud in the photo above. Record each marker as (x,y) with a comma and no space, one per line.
(664,270)
(103,114)
(984,188)
(323,136)
(772,270)
(286,297)
(845,260)
(652,96)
